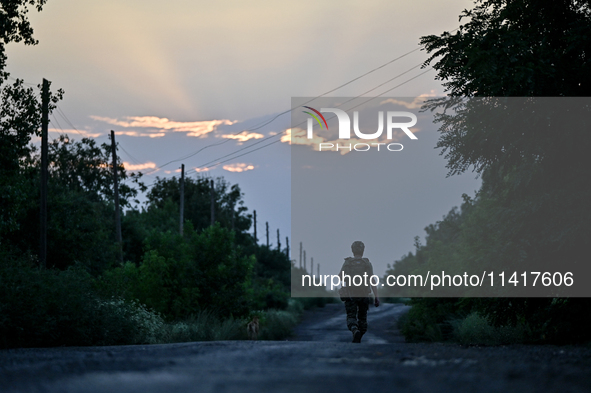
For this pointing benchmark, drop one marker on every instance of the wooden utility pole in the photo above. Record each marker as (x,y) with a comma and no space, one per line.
(44,148)
(300,255)
(267,224)
(305,261)
(212,193)
(255,227)
(182,198)
(287,243)
(278,241)
(116,190)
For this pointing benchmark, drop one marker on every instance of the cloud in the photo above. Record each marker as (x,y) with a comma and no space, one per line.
(243,136)
(138,167)
(238,167)
(415,104)
(202,170)
(297,136)
(135,133)
(161,124)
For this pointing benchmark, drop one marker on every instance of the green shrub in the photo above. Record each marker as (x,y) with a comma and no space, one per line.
(428,319)
(205,326)
(476,330)
(42,308)
(277,324)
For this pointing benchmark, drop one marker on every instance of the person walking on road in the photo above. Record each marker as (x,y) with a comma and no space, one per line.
(357,297)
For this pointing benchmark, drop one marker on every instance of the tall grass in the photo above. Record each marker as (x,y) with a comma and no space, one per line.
(476,330)
(204,326)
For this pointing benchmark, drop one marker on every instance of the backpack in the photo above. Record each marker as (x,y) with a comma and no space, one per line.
(357,267)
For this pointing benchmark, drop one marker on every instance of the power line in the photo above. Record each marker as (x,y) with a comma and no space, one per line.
(22,81)
(130,156)
(279,134)
(63,115)
(217,161)
(266,122)
(232,158)
(336,88)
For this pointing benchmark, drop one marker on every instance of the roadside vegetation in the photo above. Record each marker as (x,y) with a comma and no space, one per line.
(159,286)
(533,209)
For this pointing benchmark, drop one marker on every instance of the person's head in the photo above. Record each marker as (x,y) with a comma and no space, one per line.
(358,247)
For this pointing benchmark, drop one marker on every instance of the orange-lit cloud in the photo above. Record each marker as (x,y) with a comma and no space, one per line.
(238,167)
(297,136)
(243,136)
(202,170)
(138,167)
(135,133)
(162,124)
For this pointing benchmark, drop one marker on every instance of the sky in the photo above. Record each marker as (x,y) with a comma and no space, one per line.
(173,78)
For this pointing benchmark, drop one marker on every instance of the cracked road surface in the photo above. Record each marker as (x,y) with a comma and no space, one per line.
(320,358)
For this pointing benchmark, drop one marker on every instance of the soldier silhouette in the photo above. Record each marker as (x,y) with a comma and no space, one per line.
(356,297)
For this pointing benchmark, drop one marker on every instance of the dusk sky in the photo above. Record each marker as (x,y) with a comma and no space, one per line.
(171,78)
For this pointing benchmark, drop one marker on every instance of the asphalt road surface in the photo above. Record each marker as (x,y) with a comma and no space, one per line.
(320,358)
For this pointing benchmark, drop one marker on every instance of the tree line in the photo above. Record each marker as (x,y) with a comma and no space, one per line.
(532,210)
(86,295)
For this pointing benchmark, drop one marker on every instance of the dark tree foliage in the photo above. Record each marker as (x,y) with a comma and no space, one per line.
(533,165)
(80,204)
(516,48)
(15,26)
(533,209)
(230,211)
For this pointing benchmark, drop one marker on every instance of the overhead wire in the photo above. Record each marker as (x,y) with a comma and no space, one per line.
(269,121)
(266,122)
(209,163)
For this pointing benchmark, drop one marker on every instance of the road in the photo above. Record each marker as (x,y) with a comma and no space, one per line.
(319,359)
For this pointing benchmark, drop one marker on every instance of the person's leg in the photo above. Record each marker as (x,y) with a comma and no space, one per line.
(351,308)
(363,306)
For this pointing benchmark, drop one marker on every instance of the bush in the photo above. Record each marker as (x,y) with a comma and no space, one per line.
(277,325)
(428,320)
(476,330)
(42,308)
(205,326)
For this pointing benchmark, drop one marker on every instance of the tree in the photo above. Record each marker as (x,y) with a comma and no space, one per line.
(517,48)
(230,211)
(531,177)
(20,120)
(20,115)
(533,207)
(15,26)
(80,204)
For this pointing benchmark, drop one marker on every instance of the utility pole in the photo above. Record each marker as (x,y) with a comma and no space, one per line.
(255,227)
(305,269)
(300,255)
(287,252)
(44,148)
(212,193)
(116,189)
(267,224)
(182,198)
(278,241)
